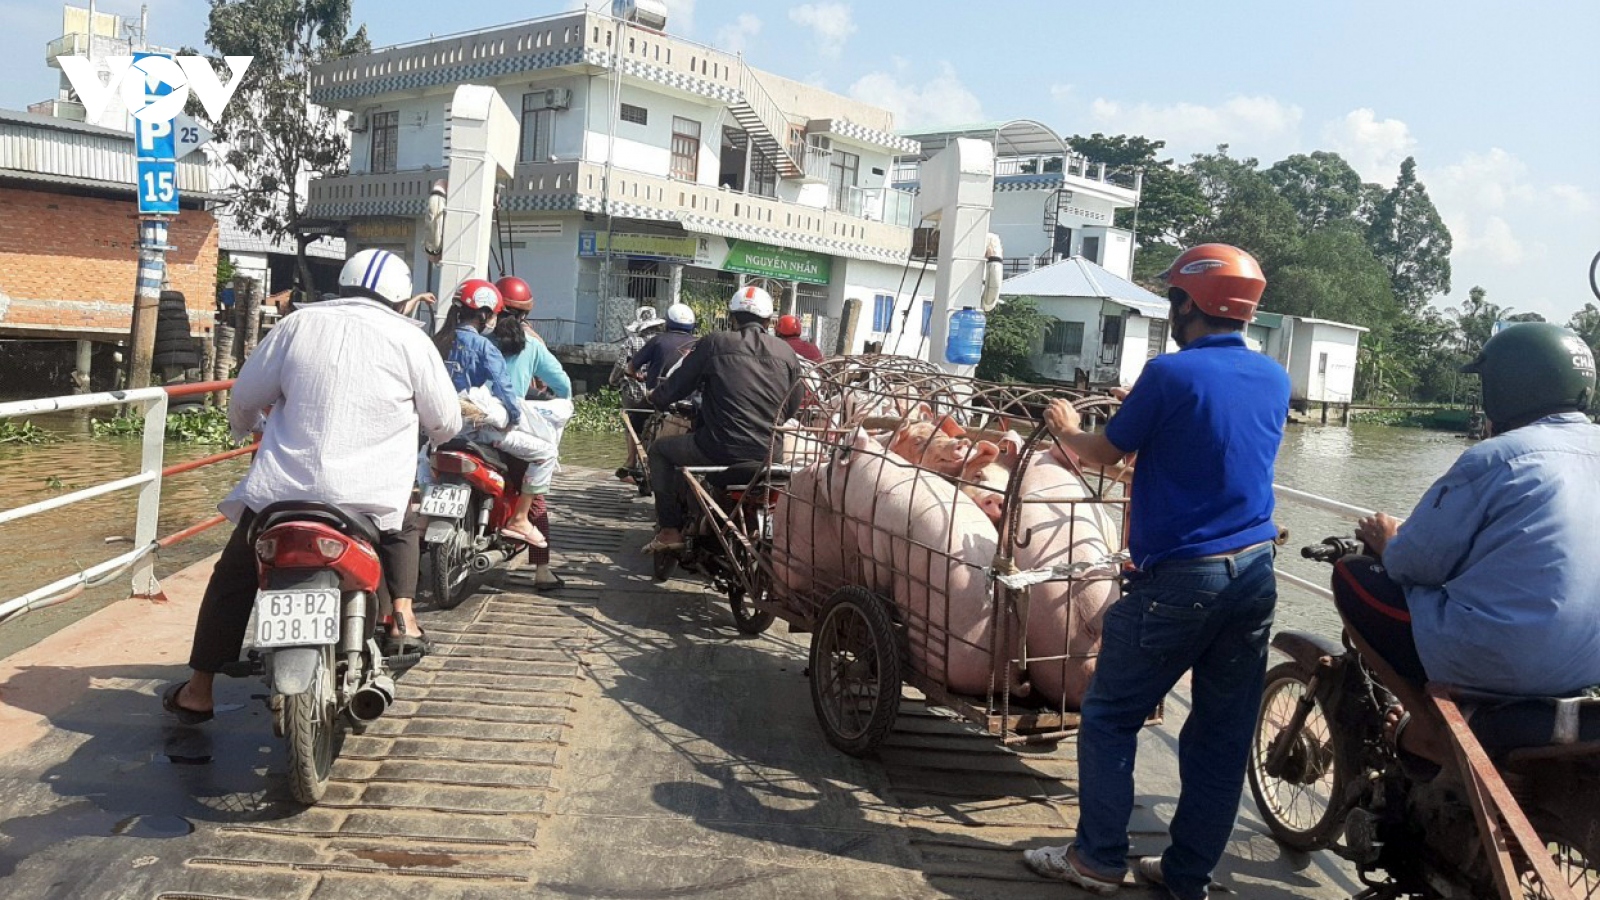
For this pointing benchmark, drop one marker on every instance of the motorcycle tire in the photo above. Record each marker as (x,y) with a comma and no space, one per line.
(310,726)
(1570,829)
(451,562)
(746,616)
(1319,756)
(662,564)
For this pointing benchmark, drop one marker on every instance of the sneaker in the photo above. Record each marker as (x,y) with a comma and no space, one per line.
(1061,864)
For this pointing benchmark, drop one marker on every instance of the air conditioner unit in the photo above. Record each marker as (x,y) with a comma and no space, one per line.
(359,123)
(558,98)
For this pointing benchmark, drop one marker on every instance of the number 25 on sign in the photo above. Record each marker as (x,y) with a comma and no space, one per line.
(158,187)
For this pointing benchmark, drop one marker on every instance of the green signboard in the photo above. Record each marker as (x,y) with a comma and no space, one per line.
(751,258)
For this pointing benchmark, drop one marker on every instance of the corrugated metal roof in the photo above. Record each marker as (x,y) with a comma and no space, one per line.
(238,240)
(61,151)
(1079,277)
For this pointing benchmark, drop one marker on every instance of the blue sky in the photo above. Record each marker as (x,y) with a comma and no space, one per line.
(1499,101)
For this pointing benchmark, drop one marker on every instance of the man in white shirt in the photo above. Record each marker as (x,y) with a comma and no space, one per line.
(348,382)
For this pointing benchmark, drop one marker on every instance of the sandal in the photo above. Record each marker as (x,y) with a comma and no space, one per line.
(1418,768)
(531,538)
(185,715)
(556,584)
(404,644)
(657,546)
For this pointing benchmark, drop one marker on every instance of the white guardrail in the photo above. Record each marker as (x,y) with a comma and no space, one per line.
(1325,504)
(152,402)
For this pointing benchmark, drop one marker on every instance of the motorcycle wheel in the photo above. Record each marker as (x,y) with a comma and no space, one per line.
(855,671)
(310,726)
(746,617)
(452,563)
(662,564)
(1302,802)
(1572,835)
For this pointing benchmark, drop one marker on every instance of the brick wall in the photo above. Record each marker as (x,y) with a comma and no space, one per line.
(70,262)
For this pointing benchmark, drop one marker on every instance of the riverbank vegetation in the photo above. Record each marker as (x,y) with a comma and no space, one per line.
(599,412)
(207,425)
(25,433)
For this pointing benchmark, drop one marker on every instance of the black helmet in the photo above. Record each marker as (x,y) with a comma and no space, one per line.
(1531,370)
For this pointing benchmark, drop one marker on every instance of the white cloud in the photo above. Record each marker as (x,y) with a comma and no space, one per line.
(1373,147)
(940,100)
(1062,92)
(735,37)
(680,16)
(1489,241)
(1254,126)
(831,24)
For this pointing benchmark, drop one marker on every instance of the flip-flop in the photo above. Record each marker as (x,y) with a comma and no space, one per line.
(656,546)
(184,715)
(533,539)
(546,586)
(1418,768)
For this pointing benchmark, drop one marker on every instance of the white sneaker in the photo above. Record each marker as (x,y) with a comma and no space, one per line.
(1057,863)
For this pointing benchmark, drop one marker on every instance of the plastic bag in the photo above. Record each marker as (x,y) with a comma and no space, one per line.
(493,410)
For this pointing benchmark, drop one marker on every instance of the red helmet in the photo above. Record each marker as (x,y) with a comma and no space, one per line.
(788,326)
(1221,279)
(517,294)
(478,294)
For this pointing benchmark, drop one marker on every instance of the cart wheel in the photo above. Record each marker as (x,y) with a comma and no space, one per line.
(855,671)
(746,616)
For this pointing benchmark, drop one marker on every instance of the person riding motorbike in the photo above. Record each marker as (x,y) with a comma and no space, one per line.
(640,330)
(474,360)
(662,351)
(747,382)
(789,330)
(529,363)
(349,382)
(1493,583)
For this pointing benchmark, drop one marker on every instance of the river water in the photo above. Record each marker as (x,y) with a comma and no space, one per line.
(1367,465)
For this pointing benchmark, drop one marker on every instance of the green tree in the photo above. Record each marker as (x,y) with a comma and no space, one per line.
(276,138)
(1334,276)
(1586,322)
(1321,187)
(1409,237)
(1169,198)
(1013,328)
(1246,211)
(1475,320)
(1526,317)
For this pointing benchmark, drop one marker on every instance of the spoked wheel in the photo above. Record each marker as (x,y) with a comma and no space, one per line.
(662,564)
(855,671)
(452,564)
(1574,842)
(310,725)
(1300,794)
(746,616)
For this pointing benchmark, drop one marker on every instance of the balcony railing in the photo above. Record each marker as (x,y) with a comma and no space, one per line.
(1075,166)
(887,205)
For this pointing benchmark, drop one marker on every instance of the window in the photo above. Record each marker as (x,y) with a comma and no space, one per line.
(1091,248)
(638,115)
(385,141)
(1064,338)
(842,177)
(927,315)
(685,149)
(537,122)
(763,173)
(882,313)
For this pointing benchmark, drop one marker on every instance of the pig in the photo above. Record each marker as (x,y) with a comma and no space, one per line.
(928,546)
(807,536)
(1064,618)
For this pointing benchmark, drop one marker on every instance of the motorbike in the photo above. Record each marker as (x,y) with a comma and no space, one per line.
(473,496)
(314,638)
(1325,776)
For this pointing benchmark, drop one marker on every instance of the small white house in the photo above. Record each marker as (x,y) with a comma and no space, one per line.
(1105,327)
(1319,355)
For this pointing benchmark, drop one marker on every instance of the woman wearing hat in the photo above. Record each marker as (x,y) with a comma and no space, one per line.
(645,323)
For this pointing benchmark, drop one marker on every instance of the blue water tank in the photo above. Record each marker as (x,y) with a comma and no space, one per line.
(965,345)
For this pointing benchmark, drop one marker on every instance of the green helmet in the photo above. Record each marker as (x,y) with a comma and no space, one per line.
(1531,370)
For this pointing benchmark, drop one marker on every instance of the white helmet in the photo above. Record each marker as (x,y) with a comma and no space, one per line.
(378,274)
(753,300)
(680,317)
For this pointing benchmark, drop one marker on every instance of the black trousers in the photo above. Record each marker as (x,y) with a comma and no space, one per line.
(230,595)
(667,455)
(1375,607)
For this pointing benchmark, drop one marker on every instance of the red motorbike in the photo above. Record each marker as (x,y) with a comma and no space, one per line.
(473,496)
(314,637)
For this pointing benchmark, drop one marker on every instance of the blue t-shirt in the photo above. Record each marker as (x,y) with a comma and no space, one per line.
(1206,423)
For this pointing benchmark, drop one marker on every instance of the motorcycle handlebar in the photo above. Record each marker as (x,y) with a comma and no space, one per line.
(1332,549)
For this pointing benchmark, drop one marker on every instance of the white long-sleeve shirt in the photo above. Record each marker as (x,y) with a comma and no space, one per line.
(349,381)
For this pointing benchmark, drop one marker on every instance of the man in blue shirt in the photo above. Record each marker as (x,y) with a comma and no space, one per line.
(1493,583)
(1206,424)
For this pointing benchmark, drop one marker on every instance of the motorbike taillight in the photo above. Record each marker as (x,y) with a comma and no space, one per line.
(313,545)
(454,463)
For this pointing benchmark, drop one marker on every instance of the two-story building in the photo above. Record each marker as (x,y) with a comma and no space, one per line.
(1049,203)
(649,167)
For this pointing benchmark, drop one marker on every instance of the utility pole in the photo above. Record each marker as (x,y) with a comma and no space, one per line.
(152,270)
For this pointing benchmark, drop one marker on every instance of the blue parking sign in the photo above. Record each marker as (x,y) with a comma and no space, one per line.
(153,140)
(158,187)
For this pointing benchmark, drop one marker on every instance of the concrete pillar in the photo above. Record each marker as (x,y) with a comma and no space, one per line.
(80,372)
(957,190)
(674,283)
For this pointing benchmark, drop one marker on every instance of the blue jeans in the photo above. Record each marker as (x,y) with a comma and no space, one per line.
(1212,616)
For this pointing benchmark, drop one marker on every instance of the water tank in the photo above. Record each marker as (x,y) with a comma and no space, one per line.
(965,344)
(650,14)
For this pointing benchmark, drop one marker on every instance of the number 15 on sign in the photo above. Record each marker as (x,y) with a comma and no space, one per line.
(158,187)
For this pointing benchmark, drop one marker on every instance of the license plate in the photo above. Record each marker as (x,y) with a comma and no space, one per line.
(446,501)
(297,618)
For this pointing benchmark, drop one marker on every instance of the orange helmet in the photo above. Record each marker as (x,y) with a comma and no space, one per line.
(788,326)
(478,294)
(516,293)
(1221,279)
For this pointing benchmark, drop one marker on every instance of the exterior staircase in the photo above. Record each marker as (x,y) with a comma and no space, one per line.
(758,114)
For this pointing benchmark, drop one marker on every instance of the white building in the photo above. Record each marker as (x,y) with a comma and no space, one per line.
(1049,203)
(649,166)
(1319,355)
(1105,326)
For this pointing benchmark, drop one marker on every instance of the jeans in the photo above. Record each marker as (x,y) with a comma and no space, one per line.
(1212,616)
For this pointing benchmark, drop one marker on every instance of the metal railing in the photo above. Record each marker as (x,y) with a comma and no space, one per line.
(152,403)
(1326,504)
